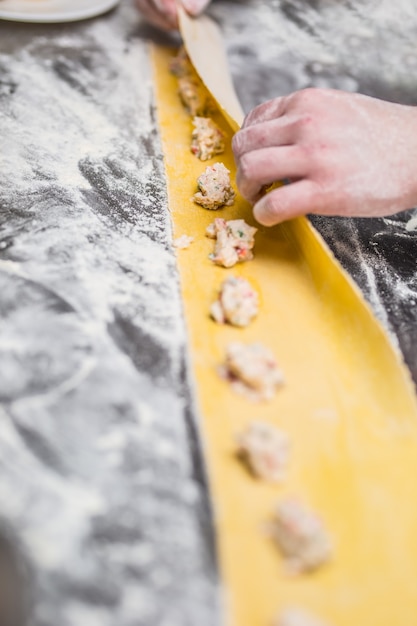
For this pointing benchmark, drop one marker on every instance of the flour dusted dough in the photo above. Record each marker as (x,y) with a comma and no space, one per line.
(265,450)
(300,536)
(237,302)
(207,139)
(214,187)
(234,241)
(252,370)
(297,617)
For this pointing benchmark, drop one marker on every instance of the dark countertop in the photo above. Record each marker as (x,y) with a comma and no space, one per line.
(105,516)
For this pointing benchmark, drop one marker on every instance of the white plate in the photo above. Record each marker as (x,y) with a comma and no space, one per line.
(53,10)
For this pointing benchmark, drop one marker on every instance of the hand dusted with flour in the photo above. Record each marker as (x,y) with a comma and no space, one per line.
(346,154)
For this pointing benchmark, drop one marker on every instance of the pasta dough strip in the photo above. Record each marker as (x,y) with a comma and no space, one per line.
(348,406)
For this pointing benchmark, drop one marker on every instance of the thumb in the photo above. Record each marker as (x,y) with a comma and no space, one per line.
(286,202)
(195,7)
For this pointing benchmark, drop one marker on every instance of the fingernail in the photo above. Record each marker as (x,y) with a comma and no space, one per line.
(262,214)
(188,6)
(193,6)
(258,212)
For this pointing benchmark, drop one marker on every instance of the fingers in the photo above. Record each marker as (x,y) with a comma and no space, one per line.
(163,13)
(266,166)
(266,111)
(167,8)
(276,132)
(195,7)
(160,13)
(287,202)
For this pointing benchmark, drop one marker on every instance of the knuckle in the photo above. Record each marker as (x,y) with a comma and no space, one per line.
(309,92)
(316,153)
(249,117)
(246,167)
(307,151)
(306,119)
(238,142)
(306,96)
(308,128)
(258,113)
(262,136)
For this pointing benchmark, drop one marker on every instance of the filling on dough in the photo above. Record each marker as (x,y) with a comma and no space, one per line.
(181,64)
(214,187)
(265,450)
(300,536)
(237,302)
(192,92)
(234,241)
(207,139)
(297,617)
(194,96)
(252,370)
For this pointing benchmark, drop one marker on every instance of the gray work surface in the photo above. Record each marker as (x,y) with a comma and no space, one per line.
(105,515)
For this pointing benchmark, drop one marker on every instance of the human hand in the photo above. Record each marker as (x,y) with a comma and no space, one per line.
(345,154)
(163,13)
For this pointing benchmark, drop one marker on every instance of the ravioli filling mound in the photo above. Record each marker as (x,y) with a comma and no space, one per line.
(234,241)
(237,302)
(265,450)
(181,65)
(194,96)
(252,369)
(214,188)
(300,535)
(207,139)
(191,90)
